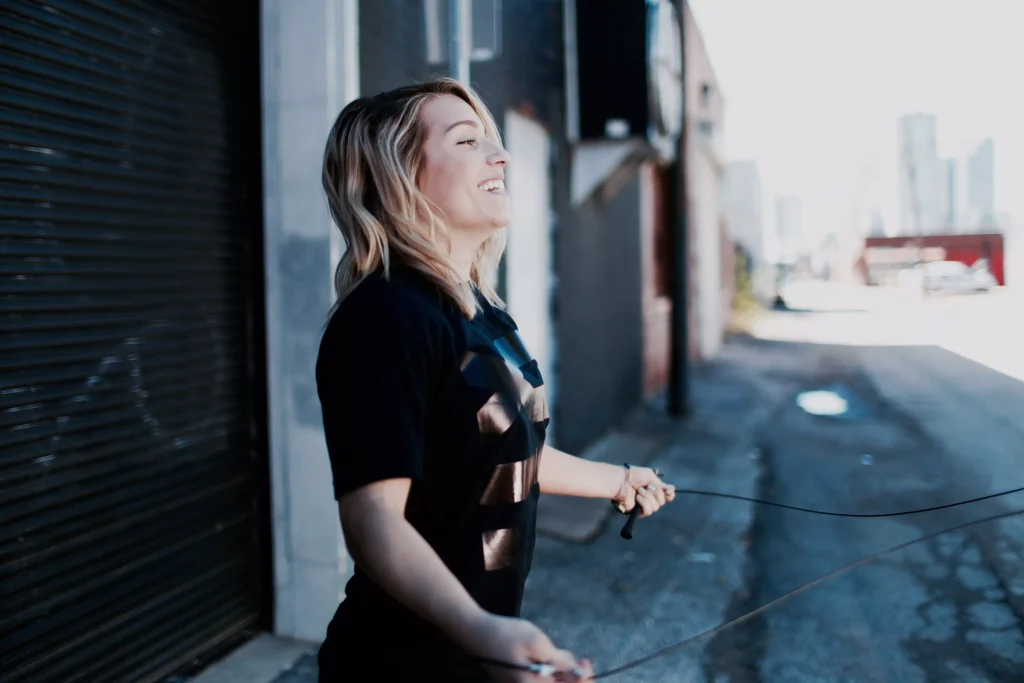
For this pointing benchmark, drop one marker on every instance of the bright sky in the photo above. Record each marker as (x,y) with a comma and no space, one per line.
(813,89)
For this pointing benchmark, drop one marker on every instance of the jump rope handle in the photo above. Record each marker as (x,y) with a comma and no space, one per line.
(627,529)
(634,514)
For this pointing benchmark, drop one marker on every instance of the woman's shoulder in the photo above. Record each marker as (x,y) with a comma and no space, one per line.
(402,303)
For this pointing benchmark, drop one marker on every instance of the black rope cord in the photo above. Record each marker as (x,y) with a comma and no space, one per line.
(627,530)
(796,591)
(852,514)
(633,516)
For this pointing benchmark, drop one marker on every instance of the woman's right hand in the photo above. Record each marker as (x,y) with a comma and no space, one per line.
(518,641)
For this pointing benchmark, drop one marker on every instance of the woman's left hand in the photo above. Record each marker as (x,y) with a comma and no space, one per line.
(641,486)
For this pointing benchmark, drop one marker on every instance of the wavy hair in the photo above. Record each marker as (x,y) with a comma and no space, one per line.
(372,162)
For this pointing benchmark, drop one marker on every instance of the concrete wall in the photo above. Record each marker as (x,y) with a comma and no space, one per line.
(392,45)
(598,306)
(705,116)
(706,247)
(656,268)
(529,272)
(309,74)
(1013,260)
(600,316)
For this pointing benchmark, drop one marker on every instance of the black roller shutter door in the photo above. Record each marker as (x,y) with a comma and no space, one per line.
(132,475)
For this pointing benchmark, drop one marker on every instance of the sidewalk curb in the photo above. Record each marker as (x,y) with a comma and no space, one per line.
(261,660)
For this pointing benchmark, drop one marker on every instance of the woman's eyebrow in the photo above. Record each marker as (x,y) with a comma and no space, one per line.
(466,122)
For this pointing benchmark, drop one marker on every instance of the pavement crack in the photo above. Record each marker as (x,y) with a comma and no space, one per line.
(735,654)
(962,621)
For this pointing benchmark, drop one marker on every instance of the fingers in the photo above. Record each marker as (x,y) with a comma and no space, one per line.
(628,502)
(659,493)
(647,491)
(583,671)
(665,493)
(653,497)
(543,650)
(564,662)
(670,493)
(647,501)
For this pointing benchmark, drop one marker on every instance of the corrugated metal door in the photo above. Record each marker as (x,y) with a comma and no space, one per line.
(131,474)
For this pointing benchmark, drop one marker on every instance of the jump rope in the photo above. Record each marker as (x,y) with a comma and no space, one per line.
(543,669)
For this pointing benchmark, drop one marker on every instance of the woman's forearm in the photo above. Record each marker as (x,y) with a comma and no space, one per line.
(399,560)
(562,474)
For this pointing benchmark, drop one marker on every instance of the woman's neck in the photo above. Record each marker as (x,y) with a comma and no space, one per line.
(463,253)
(464,271)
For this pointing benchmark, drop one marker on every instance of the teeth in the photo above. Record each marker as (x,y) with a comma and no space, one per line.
(492,185)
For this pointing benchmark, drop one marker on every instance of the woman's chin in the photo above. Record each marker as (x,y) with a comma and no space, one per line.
(496,222)
(485,226)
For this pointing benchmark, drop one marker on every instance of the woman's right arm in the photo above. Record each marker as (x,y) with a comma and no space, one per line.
(399,560)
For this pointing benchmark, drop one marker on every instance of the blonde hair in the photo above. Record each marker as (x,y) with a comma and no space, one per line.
(372,162)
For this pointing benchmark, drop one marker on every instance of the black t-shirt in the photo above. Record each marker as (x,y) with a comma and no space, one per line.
(410,388)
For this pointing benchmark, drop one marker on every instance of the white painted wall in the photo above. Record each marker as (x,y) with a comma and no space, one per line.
(310,71)
(743,203)
(708,246)
(1013,260)
(528,262)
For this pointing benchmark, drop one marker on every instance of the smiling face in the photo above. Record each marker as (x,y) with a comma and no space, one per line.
(463,171)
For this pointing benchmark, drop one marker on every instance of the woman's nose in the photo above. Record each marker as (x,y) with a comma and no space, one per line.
(500,157)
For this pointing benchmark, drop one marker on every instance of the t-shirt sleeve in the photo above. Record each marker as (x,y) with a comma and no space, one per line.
(376,371)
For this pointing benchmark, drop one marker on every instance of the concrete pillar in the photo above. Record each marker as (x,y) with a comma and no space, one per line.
(310,71)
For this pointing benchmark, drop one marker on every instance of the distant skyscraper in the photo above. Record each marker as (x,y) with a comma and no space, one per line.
(920,175)
(789,227)
(876,227)
(743,205)
(981,187)
(950,199)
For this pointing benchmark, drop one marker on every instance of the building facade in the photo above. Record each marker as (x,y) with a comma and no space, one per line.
(743,203)
(883,258)
(711,276)
(789,228)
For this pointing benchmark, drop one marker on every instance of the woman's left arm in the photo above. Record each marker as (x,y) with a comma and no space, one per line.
(562,474)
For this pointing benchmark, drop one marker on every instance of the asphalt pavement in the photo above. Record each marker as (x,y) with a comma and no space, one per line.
(938,611)
(947,609)
(932,396)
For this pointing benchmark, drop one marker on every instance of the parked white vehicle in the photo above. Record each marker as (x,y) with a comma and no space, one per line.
(954,277)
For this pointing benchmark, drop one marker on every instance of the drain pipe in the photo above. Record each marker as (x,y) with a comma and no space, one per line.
(678,217)
(460,16)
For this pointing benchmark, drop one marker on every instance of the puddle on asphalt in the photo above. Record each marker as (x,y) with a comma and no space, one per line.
(837,400)
(822,402)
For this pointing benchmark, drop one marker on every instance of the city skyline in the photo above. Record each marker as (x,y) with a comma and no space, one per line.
(942,194)
(816,108)
(955,195)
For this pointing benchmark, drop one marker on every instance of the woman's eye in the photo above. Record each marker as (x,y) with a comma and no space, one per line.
(470,142)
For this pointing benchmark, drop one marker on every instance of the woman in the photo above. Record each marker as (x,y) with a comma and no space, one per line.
(434,411)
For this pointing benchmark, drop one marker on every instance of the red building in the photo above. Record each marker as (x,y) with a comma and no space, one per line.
(883,257)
